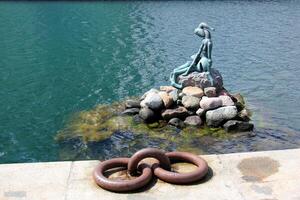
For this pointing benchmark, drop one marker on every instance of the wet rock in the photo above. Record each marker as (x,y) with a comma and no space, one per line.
(207,103)
(200,112)
(245,115)
(239,98)
(179,112)
(166,98)
(237,126)
(153,101)
(191,102)
(174,94)
(194,120)
(200,79)
(215,118)
(132,103)
(147,114)
(176,122)
(210,92)
(226,100)
(131,111)
(193,91)
(166,88)
(239,101)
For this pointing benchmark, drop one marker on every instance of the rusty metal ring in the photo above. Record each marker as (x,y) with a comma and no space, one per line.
(182,178)
(121,185)
(160,155)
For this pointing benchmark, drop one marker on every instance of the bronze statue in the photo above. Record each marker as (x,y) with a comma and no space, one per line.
(201,61)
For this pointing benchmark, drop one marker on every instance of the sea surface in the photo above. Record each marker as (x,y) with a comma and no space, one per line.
(59,58)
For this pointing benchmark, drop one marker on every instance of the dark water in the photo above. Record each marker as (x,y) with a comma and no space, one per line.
(60,58)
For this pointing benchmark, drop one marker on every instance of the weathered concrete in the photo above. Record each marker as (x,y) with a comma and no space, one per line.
(265,175)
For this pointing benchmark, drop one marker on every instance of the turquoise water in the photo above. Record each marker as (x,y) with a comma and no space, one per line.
(60,58)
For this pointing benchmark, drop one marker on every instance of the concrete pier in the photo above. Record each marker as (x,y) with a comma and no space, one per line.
(268,175)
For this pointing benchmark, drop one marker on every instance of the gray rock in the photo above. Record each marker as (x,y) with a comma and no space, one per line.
(200,112)
(153,101)
(147,114)
(201,79)
(194,120)
(131,111)
(237,126)
(210,92)
(191,102)
(215,118)
(226,100)
(176,122)
(132,103)
(153,90)
(207,103)
(179,112)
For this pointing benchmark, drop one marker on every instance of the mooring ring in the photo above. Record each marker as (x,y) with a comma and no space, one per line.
(164,161)
(182,178)
(121,185)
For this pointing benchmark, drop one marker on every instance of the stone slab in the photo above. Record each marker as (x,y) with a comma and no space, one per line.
(34,180)
(239,176)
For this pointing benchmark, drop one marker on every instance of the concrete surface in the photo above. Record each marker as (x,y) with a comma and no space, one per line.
(268,175)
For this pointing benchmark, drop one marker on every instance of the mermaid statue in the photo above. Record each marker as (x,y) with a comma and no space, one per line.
(201,61)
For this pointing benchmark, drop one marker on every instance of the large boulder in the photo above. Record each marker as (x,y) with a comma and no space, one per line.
(190,102)
(237,126)
(215,118)
(207,103)
(200,79)
(179,112)
(193,91)
(153,101)
(193,120)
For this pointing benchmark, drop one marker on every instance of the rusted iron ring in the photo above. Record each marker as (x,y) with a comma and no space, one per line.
(121,185)
(182,178)
(160,155)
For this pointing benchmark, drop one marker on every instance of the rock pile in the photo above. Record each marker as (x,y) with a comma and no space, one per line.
(197,104)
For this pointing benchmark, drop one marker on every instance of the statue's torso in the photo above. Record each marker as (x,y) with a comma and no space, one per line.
(206,48)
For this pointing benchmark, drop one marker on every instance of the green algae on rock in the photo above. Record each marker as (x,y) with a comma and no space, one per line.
(101,127)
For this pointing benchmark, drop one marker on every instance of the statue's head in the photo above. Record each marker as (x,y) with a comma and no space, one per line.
(203,30)
(204,25)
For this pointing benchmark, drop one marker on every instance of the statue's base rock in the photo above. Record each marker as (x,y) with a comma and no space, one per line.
(202,79)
